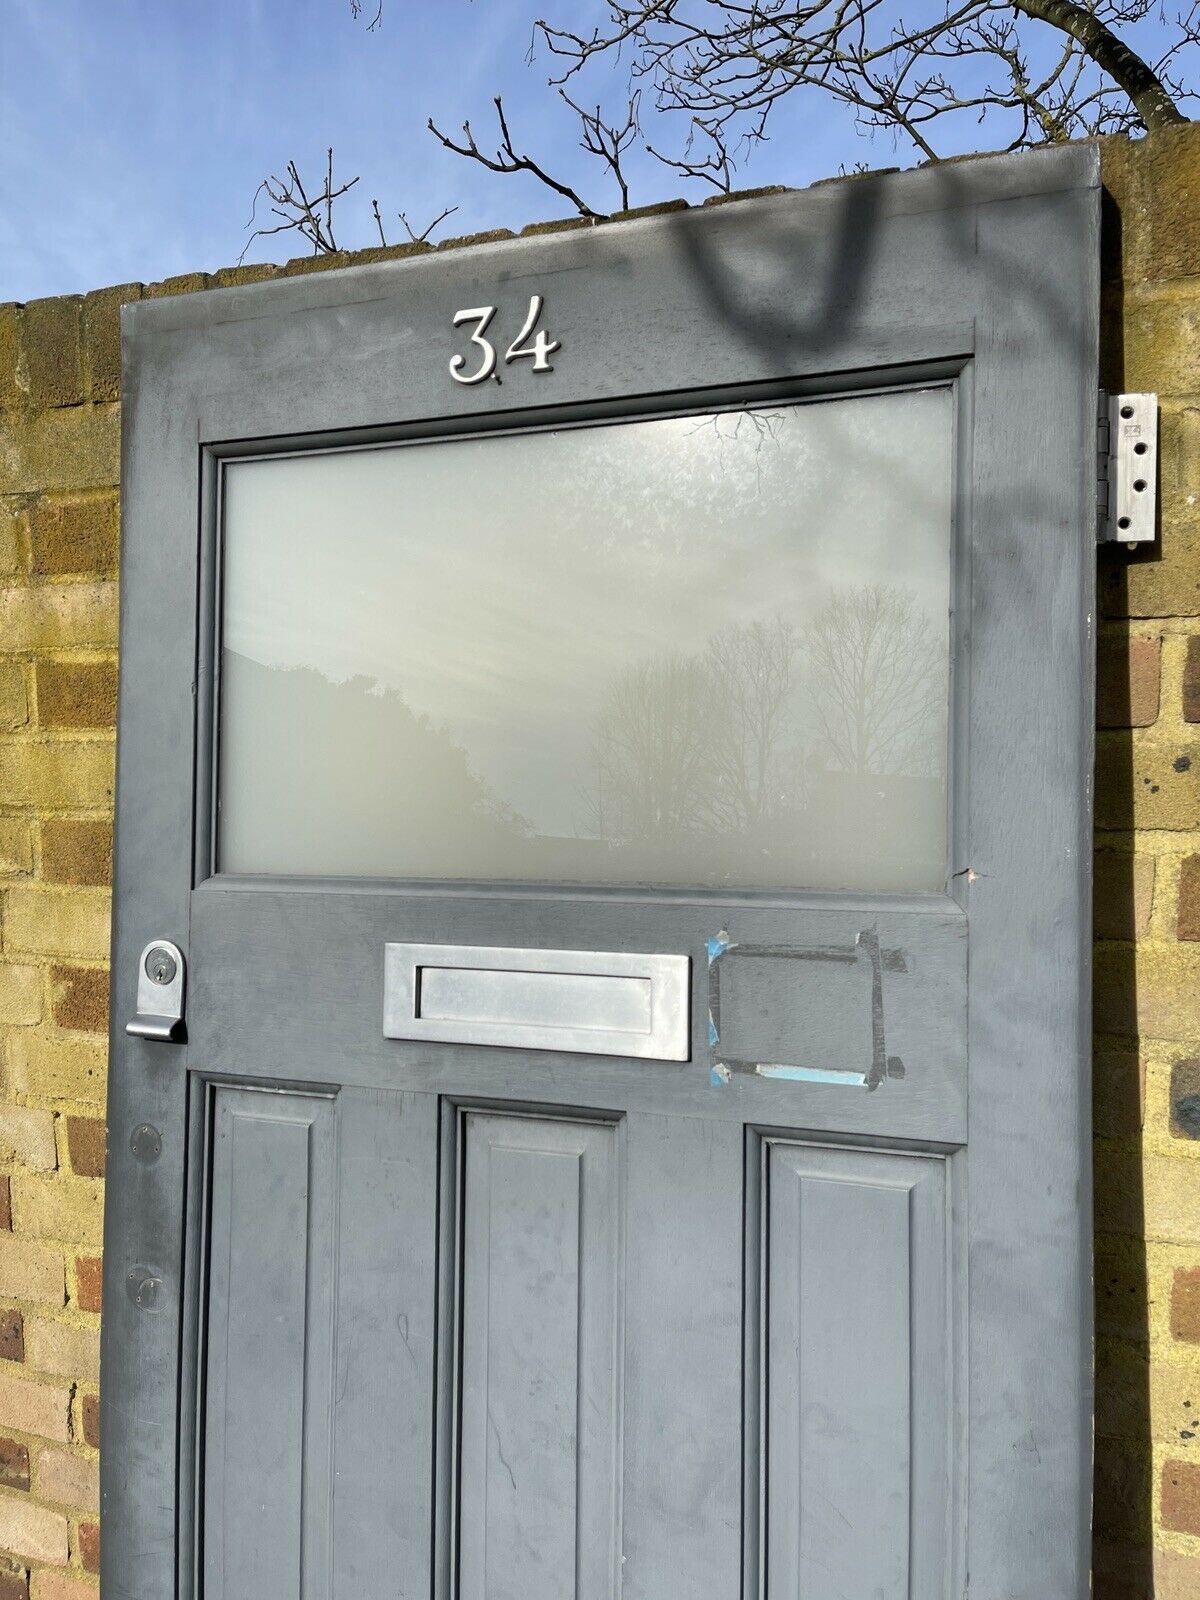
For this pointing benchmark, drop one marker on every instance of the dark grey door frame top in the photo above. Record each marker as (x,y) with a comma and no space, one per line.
(981,276)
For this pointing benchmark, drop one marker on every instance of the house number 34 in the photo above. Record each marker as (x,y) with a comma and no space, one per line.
(524,347)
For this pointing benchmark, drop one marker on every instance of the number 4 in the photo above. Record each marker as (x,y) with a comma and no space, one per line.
(542,348)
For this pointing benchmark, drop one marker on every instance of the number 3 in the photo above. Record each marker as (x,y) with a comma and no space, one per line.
(481,316)
(539,352)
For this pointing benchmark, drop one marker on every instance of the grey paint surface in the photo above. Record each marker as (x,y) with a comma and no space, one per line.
(856,1376)
(538,1306)
(270,1296)
(688,1196)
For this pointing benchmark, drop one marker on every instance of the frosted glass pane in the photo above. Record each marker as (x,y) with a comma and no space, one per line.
(703,650)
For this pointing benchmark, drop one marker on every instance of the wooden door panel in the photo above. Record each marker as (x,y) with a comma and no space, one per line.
(268,1368)
(538,1330)
(853,1317)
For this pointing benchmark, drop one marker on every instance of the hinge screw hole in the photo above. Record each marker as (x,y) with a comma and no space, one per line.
(1127,411)
(1123,522)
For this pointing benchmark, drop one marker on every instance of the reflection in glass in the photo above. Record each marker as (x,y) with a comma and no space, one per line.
(701,650)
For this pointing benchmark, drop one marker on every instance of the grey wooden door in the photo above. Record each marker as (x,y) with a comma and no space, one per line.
(743,623)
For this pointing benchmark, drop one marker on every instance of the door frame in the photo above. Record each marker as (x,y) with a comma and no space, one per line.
(989,267)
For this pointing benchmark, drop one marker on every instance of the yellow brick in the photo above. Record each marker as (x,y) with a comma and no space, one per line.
(60,1348)
(52,1066)
(1120,1278)
(1122,1508)
(67,1479)
(1117,1190)
(1171,1199)
(58,922)
(58,1208)
(1162,335)
(1155,994)
(1122,1378)
(1167,983)
(1164,581)
(14,704)
(1162,1260)
(77,850)
(102,338)
(51,341)
(1118,1093)
(59,616)
(1175,1408)
(1156,181)
(77,447)
(27,1135)
(16,848)
(77,694)
(1179,460)
(181,283)
(30,1271)
(12,521)
(20,996)
(260,271)
(1176,1575)
(1144,783)
(13,388)
(58,773)
(50,1583)
(73,534)
(32,1531)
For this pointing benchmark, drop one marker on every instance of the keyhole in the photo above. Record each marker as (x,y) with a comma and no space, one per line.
(160,967)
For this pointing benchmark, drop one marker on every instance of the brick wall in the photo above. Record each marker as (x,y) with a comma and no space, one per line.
(1147,989)
(59,464)
(59,436)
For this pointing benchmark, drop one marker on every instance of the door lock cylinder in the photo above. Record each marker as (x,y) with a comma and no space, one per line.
(160,994)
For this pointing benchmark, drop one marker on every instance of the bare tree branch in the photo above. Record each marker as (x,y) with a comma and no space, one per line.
(311,215)
(716,167)
(423,237)
(726,64)
(608,141)
(508,160)
(1148,93)
(311,218)
(356,11)
(1048,70)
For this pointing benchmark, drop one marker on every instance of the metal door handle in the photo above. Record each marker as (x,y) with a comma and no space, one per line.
(160,994)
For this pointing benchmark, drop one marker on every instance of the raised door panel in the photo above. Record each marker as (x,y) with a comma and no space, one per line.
(539,1390)
(268,1368)
(855,1375)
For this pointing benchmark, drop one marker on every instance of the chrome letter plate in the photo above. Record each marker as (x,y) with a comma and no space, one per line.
(587,1001)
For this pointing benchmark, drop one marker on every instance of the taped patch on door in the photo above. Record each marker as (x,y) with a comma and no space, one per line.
(800,1013)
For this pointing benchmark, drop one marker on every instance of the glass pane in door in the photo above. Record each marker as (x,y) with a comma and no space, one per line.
(702,650)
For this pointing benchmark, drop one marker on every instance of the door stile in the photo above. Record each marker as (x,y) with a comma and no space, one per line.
(754,1323)
(194,1276)
(451,1178)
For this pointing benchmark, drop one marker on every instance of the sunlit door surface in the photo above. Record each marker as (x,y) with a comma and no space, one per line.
(702,650)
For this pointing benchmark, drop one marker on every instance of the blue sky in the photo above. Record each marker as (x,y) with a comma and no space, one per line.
(133,133)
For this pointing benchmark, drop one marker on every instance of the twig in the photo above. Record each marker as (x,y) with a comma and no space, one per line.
(508,160)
